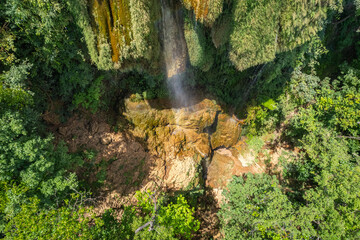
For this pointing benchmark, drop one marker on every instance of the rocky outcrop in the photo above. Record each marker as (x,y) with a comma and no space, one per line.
(227,163)
(188,140)
(175,149)
(227,132)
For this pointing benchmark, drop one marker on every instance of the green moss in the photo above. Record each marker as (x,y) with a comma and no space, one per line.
(200,52)
(254,37)
(119,33)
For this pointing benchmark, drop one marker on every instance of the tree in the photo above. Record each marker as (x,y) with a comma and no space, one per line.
(46,40)
(63,223)
(256,208)
(254,37)
(173,218)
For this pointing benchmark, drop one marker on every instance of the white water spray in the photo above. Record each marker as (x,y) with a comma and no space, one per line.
(175,52)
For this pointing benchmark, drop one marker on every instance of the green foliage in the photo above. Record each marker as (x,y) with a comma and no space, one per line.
(118,32)
(300,20)
(303,86)
(145,41)
(260,120)
(7,46)
(30,158)
(53,48)
(221,30)
(320,117)
(206,11)
(142,85)
(176,217)
(333,203)
(62,223)
(199,50)
(258,209)
(29,164)
(78,8)
(340,38)
(70,221)
(255,144)
(338,104)
(270,104)
(179,217)
(91,98)
(15,99)
(264,28)
(17,76)
(254,37)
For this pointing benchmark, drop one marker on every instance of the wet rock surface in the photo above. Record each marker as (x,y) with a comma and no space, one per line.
(174,149)
(227,132)
(202,136)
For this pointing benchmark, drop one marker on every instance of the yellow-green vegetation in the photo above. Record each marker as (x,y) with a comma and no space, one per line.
(300,20)
(113,22)
(254,38)
(206,11)
(266,27)
(200,53)
(7,47)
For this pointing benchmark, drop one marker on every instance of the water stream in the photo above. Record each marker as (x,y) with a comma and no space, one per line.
(175,51)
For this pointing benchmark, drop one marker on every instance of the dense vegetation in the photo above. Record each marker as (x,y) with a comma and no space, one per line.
(289,67)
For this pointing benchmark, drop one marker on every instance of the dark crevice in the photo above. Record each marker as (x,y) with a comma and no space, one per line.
(110,16)
(205,162)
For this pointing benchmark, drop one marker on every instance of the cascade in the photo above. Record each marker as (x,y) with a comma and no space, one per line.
(175,51)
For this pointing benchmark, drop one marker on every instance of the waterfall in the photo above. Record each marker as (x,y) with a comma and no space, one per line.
(175,51)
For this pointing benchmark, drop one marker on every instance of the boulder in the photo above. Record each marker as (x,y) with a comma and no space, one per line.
(106,139)
(220,170)
(227,132)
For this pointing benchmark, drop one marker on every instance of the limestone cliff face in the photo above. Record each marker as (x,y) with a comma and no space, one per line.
(120,33)
(123,33)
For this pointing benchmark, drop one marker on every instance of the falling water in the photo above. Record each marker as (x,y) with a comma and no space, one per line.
(175,52)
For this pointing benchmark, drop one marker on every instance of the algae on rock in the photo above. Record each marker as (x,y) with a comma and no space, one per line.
(206,11)
(119,33)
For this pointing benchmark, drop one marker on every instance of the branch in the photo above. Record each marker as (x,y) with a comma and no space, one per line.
(152,221)
(342,20)
(83,196)
(356,138)
(142,227)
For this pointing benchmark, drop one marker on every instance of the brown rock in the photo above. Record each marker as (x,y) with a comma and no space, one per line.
(105,140)
(225,164)
(202,145)
(227,132)
(181,173)
(63,130)
(220,170)
(94,127)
